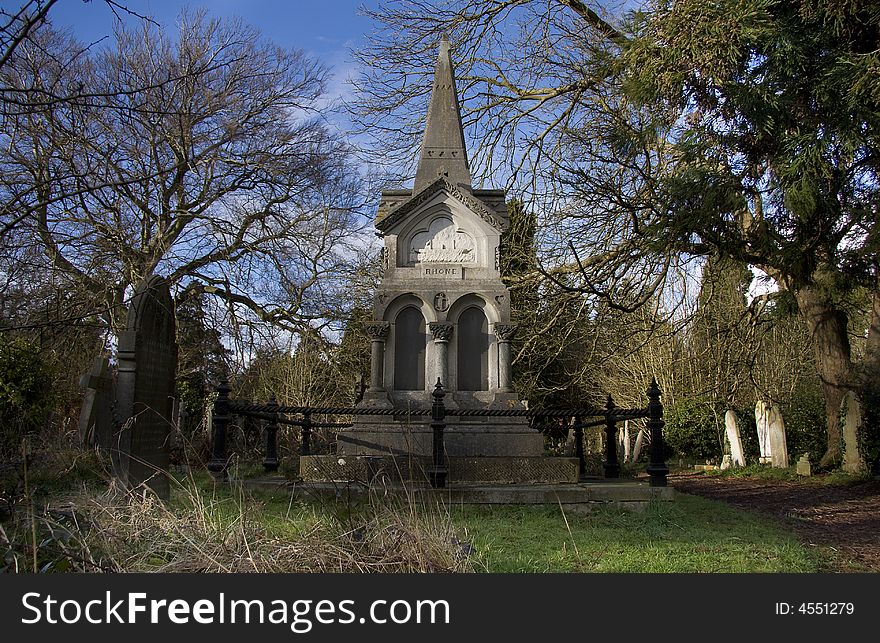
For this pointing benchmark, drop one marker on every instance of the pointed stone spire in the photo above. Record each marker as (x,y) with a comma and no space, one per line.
(443,152)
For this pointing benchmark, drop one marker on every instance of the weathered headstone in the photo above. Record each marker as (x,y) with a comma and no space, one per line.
(852,420)
(804,468)
(96,416)
(570,448)
(145,389)
(726,462)
(737,456)
(637,449)
(778,446)
(762,422)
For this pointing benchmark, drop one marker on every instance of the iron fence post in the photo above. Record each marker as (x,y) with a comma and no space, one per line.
(270,463)
(579,447)
(438,471)
(219,420)
(612,467)
(657,468)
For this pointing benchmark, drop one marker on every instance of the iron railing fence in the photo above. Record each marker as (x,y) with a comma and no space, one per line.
(276,414)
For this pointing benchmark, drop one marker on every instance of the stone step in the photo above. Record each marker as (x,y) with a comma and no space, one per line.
(583,497)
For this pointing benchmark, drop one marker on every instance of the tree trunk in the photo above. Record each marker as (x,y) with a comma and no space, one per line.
(872,347)
(827,325)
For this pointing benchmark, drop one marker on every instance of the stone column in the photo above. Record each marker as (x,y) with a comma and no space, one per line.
(442,332)
(378,333)
(505,334)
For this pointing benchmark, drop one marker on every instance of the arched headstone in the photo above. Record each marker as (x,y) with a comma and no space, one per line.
(145,389)
(737,457)
(778,446)
(762,423)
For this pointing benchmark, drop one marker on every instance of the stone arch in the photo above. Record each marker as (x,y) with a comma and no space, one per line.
(472,354)
(408,350)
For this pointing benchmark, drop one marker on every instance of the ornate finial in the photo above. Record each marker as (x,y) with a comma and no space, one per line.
(653,389)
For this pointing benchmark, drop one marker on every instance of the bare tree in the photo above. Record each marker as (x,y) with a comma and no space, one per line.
(201,158)
(651,141)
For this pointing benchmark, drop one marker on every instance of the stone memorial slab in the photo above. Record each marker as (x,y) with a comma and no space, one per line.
(762,422)
(737,456)
(96,416)
(442,311)
(778,446)
(637,449)
(804,468)
(145,389)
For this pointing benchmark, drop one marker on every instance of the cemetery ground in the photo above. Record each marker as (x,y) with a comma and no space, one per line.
(65,515)
(836,513)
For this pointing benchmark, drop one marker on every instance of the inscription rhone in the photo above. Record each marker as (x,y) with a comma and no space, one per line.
(451,272)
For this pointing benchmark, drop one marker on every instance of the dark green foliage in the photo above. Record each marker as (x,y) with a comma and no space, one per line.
(353,354)
(869,436)
(804,416)
(748,434)
(26,392)
(693,428)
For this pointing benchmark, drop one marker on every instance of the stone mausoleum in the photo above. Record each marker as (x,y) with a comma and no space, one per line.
(442,311)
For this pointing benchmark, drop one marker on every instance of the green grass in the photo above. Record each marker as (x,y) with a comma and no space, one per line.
(688,535)
(778,474)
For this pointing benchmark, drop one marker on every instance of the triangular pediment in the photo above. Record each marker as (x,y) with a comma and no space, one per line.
(399,213)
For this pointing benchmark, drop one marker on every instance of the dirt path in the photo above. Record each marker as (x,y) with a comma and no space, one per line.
(845,518)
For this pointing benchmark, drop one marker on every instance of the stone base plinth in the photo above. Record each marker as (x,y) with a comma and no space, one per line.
(366,468)
(570,497)
(484,439)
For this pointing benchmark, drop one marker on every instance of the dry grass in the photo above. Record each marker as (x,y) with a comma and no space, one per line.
(209,531)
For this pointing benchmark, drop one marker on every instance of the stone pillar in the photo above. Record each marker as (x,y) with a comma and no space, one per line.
(505,334)
(378,333)
(442,332)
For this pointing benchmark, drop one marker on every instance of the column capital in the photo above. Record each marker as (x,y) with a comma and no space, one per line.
(505,332)
(442,331)
(378,330)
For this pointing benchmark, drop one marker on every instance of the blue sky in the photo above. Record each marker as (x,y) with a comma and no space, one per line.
(318,26)
(326,29)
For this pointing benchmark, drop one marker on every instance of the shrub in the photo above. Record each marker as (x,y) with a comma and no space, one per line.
(693,428)
(26,391)
(804,416)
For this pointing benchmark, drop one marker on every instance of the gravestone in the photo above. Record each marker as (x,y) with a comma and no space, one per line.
(804,468)
(726,462)
(637,449)
(762,422)
(778,446)
(96,416)
(852,420)
(145,389)
(737,457)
